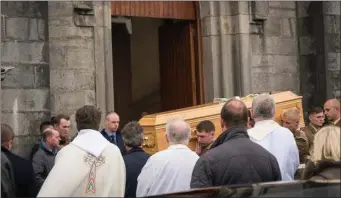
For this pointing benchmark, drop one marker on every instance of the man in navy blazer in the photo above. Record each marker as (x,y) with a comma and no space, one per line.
(111,133)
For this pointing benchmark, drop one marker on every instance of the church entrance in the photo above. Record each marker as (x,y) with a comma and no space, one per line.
(156,57)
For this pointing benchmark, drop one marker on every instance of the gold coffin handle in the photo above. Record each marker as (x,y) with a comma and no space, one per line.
(148,141)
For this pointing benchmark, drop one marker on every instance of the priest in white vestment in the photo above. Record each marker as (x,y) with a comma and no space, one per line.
(90,166)
(278,140)
(169,170)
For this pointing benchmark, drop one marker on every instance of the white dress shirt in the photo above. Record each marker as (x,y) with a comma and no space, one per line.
(167,171)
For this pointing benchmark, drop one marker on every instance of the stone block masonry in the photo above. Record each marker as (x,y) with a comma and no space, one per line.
(25,98)
(275,59)
(72,65)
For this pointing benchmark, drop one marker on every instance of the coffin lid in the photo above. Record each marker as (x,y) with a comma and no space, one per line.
(206,110)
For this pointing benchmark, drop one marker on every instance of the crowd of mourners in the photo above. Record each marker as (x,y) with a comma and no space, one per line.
(252,148)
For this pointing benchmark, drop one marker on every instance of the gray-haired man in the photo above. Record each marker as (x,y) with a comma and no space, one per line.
(169,170)
(135,158)
(278,140)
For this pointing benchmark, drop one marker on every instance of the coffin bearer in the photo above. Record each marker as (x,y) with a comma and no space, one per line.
(89,166)
(276,139)
(43,159)
(25,184)
(316,121)
(169,170)
(62,124)
(291,120)
(205,136)
(111,133)
(135,158)
(332,111)
(233,157)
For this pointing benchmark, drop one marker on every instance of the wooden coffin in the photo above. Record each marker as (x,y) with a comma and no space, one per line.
(154,124)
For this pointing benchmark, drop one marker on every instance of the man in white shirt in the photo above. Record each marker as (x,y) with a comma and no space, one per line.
(169,170)
(90,166)
(278,140)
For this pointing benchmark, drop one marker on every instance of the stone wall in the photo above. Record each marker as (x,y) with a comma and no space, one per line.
(274,59)
(25,91)
(80,57)
(319,44)
(331,22)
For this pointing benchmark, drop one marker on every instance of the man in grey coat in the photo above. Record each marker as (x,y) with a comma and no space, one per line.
(43,159)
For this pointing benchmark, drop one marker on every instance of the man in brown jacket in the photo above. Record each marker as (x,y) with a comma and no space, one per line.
(205,134)
(332,111)
(316,121)
(291,120)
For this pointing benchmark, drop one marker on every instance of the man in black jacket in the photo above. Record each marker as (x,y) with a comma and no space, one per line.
(233,157)
(23,170)
(135,158)
(7,178)
(111,133)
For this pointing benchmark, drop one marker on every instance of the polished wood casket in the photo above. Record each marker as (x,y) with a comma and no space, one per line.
(154,125)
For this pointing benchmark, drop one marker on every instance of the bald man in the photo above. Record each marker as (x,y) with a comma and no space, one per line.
(234,158)
(332,111)
(169,170)
(291,120)
(111,133)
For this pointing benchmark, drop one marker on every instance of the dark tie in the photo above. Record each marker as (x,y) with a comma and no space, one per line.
(112,139)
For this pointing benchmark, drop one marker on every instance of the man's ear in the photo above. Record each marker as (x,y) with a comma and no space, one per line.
(222,124)
(309,117)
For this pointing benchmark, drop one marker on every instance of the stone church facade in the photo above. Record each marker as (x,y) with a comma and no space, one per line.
(62,55)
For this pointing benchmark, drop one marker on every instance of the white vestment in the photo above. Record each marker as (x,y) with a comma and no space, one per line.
(90,166)
(280,142)
(167,171)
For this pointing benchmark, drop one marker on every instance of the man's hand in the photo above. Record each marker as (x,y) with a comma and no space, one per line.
(198,148)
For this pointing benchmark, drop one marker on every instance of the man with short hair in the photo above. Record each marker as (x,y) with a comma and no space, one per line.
(316,121)
(169,170)
(205,135)
(233,157)
(111,133)
(332,111)
(276,139)
(44,125)
(44,159)
(291,120)
(90,166)
(62,124)
(23,170)
(135,158)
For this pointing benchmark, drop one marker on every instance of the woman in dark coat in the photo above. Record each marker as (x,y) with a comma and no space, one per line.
(325,161)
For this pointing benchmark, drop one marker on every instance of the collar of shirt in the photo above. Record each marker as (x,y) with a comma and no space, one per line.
(110,133)
(336,121)
(177,146)
(316,129)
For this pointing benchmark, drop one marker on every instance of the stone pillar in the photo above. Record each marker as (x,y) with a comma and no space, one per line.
(226,48)
(80,55)
(331,28)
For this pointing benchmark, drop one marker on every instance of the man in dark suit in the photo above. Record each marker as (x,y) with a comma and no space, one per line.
(7,178)
(22,168)
(135,158)
(111,133)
